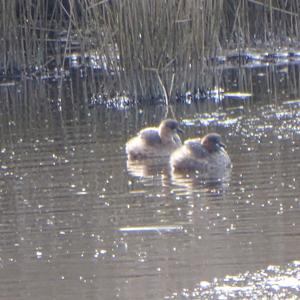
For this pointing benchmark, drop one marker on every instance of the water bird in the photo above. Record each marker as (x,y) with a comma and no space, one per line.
(201,155)
(155,141)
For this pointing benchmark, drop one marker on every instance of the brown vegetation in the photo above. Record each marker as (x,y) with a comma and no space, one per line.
(153,48)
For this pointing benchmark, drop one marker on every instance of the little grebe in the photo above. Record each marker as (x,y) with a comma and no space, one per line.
(155,142)
(201,155)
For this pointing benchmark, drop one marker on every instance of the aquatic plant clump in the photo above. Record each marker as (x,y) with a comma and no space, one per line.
(152,48)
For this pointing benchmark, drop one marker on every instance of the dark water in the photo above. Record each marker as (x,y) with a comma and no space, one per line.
(78,222)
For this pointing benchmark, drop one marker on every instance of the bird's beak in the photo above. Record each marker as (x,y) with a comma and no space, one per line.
(179,130)
(221,145)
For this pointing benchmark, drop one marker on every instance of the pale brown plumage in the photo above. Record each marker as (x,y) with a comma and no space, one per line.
(155,141)
(201,155)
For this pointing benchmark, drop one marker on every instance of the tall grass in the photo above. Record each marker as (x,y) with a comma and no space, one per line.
(155,48)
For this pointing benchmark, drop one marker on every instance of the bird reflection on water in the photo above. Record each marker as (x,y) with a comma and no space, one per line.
(215,181)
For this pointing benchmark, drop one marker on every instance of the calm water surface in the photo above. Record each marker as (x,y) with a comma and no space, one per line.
(77,221)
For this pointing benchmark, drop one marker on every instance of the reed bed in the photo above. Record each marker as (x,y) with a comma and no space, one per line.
(152,49)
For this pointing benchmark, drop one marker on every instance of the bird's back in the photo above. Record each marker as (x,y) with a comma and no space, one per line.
(196,148)
(150,136)
(146,144)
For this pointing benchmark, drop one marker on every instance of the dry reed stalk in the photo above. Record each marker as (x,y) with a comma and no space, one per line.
(153,48)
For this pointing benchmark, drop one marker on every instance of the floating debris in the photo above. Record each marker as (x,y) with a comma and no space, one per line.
(294,54)
(119,102)
(228,122)
(158,228)
(192,96)
(218,60)
(244,57)
(216,94)
(7,83)
(237,95)
(277,55)
(292,102)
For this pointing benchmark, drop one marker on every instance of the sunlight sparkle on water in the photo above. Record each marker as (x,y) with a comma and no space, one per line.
(266,283)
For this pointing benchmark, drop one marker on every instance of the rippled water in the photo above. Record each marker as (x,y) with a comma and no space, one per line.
(77,221)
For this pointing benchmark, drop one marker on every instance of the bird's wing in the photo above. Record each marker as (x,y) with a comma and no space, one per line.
(196,148)
(150,136)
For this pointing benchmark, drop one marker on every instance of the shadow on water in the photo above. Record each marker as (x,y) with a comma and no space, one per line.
(77,221)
